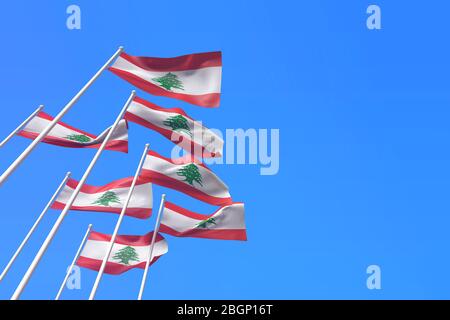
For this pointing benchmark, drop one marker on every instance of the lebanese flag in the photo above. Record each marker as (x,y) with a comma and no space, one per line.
(186,175)
(227,223)
(67,136)
(194,78)
(176,125)
(110,197)
(128,252)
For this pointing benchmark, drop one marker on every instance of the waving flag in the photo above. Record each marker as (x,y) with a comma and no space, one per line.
(176,125)
(109,198)
(68,136)
(128,252)
(188,176)
(194,78)
(227,223)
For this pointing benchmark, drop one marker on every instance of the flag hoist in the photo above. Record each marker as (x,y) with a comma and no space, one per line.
(119,222)
(69,203)
(35,225)
(53,123)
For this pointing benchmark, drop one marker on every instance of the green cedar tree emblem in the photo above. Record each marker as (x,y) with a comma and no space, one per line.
(204,223)
(78,138)
(125,255)
(178,123)
(169,81)
(106,198)
(191,174)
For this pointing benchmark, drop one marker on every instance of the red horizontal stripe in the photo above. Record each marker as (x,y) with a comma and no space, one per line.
(114,145)
(120,183)
(46,116)
(191,214)
(140,213)
(180,63)
(110,267)
(128,240)
(210,100)
(219,234)
(185,212)
(168,182)
(153,106)
(179,161)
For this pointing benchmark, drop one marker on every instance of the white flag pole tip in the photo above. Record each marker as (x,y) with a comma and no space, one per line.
(55,120)
(22,125)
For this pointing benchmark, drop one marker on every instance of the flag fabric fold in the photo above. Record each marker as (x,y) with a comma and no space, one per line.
(110,197)
(177,126)
(67,136)
(128,252)
(194,78)
(227,223)
(186,175)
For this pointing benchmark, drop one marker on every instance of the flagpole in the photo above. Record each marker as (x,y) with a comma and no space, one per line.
(35,225)
(149,258)
(69,271)
(50,126)
(20,127)
(69,203)
(119,222)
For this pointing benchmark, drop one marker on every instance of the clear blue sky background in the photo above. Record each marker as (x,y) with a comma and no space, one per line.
(363,116)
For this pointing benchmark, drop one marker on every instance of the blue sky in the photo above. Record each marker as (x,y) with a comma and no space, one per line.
(363,119)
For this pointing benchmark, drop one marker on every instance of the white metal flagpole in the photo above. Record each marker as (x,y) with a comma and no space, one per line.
(35,225)
(20,127)
(152,245)
(119,222)
(50,126)
(69,271)
(69,203)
